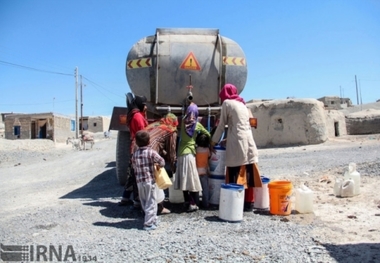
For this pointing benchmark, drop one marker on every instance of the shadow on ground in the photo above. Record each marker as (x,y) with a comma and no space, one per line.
(125,224)
(346,253)
(133,219)
(103,185)
(112,210)
(111,164)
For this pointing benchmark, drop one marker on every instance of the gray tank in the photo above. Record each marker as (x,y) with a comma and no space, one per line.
(162,66)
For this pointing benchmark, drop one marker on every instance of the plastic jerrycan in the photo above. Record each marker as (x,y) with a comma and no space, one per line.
(351,173)
(338,187)
(347,188)
(304,199)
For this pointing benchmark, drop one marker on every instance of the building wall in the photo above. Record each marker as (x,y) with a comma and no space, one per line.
(335,123)
(346,101)
(363,122)
(331,103)
(18,120)
(2,125)
(44,125)
(62,129)
(289,122)
(98,124)
(2,130)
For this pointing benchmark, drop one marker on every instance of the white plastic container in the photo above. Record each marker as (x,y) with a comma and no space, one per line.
(231,202)
(347,189)
(215,183)
(351,173)
(262,194)
(160,195)
(304,199)
(217,161)
(338,187)
(175,196)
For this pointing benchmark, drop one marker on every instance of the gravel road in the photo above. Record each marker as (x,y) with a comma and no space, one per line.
(54,196)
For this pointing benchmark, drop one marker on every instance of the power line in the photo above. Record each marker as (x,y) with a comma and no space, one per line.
(94,83)
(35,69)
(59,73)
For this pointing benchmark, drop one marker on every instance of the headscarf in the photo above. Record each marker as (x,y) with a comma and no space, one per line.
(191,119)
(168,123)
(140,102)
(229,92)
(137,105)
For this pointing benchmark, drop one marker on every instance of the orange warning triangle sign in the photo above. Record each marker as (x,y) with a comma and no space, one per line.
(190,63)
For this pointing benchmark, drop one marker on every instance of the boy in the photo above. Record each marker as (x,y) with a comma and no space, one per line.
(143,161)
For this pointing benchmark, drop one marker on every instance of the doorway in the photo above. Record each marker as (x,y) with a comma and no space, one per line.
(33,130)
(42,128)
(336,128)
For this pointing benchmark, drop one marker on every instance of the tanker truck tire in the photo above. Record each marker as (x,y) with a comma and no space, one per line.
(123,152)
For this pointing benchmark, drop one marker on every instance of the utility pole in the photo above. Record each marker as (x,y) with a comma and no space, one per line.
(76,103)
(81,106)
(357,93)
(360,92)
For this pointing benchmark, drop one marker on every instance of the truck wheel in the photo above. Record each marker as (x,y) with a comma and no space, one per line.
(123,152)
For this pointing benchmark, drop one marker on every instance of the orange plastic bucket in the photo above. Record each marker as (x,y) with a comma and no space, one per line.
(279,196)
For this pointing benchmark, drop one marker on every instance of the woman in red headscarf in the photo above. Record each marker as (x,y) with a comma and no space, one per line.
(136,120)
(241,151)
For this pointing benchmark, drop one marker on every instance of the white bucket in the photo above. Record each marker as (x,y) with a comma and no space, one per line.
(217,162)
(262,194)
(175,196)
(304,200)
(231,202)
(214,183)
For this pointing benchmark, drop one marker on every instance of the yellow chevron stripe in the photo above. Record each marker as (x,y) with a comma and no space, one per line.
(139,63)
(234,61)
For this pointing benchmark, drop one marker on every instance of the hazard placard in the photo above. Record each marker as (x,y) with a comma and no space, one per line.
(190,63)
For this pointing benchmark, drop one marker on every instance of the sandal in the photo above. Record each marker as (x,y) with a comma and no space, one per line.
(165,211)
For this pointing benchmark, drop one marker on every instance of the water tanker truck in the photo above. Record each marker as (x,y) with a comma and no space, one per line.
(173,66)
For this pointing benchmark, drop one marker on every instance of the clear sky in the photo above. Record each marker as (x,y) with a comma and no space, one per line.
(301,49)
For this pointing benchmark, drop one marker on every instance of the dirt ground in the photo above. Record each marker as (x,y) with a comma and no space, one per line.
(343,220)
(337,220)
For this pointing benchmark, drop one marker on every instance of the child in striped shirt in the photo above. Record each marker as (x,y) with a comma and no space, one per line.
(144,161)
